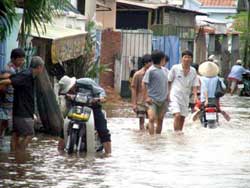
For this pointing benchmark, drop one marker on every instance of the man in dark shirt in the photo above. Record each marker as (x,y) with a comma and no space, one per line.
(23,107)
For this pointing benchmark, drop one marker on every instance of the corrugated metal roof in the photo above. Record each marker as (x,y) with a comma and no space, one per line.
(55,32)
(218,3)
(156,6)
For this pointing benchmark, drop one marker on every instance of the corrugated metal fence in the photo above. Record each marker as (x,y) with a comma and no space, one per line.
(135,43)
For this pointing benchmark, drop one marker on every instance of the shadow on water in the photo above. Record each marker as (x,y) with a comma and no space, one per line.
(199,158)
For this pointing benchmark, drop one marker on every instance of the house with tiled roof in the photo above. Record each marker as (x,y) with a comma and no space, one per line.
(219,10)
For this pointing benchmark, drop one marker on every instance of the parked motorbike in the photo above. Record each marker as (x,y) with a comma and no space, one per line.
(209,115)
(79,131)
(244,87)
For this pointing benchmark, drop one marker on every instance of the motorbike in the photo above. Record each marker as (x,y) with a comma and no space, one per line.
(79,127)
(244,87)
(209,116)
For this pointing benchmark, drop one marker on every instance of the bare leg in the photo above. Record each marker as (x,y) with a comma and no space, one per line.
(178,122)
(177,117)
(151,117)
(142,120)
(107,147)
(3,126)
(225,115)
(182,120)
(14,142)
(25,142)
(159,122)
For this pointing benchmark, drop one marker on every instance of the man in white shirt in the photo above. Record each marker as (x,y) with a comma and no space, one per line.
(182,78)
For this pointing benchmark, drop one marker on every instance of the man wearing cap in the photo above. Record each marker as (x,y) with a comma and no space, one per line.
(235,75)
(72,85)
(23,106)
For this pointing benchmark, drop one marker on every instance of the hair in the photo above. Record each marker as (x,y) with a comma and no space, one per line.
(157,56)
(17,53)
(187,52)
(166,58)
(195,66)
(146,59)
(36,61)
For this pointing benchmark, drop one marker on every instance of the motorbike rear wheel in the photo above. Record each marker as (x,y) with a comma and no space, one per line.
(72,141)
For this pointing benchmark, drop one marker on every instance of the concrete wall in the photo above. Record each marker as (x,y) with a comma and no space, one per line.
(107,18)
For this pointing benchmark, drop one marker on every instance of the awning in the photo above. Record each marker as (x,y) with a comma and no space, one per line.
(66,43)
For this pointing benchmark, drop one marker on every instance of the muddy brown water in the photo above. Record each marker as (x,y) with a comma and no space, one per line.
(200,158)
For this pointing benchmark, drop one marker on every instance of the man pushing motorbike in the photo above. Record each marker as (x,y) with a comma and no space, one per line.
(72,86)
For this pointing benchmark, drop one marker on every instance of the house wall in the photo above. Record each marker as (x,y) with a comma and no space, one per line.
(107,18)
(110,49)
(179,19)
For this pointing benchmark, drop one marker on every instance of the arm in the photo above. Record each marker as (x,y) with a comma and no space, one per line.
(133,91)
(5,75)
(145,93)
(5,82)
(195,89)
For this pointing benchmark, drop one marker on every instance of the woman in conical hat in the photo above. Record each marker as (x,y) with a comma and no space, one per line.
(209,77)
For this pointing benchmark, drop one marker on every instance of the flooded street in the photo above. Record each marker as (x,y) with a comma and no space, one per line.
(200,158)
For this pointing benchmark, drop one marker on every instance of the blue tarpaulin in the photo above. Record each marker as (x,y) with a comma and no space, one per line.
(170,45)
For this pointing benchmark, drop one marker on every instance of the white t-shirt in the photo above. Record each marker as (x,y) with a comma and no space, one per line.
(181,85)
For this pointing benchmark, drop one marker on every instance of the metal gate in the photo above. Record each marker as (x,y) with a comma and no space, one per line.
(135,43)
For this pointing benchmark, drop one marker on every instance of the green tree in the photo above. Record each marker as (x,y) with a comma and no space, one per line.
(7,17)
(242,24)
(35,13)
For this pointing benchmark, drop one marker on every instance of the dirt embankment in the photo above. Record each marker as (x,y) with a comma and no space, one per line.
(116,106)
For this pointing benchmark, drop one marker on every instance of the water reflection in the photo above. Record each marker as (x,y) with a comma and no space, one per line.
(215,158)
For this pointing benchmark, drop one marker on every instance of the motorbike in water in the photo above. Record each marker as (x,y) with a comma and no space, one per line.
(79,127)
(210,114)
(244,87)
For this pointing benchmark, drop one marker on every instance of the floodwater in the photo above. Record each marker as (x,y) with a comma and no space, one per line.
(200,158)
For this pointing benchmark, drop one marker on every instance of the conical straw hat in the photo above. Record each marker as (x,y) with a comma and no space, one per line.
(208,69)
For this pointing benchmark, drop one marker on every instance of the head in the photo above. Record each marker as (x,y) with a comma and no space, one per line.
(17,57)
(67,85)
(158,57)
(37,65)
(146,61)
(166,61)
(239,62)
(208,69)
(211,58)
(187,58)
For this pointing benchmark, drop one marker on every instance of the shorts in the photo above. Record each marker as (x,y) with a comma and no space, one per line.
(141,111)
(6,115)
(233,82)
(175,107)
(159,108)
(23,126)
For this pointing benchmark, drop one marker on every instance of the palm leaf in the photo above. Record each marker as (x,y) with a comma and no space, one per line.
(7,17)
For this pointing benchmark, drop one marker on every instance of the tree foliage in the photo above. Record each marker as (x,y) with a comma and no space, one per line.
(7,17)
(35,13)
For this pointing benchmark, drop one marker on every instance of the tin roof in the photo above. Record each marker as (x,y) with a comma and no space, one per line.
(218,3)
(155,6)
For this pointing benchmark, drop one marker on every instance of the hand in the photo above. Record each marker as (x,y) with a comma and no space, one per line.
(206,102)
(70,97)
(102,99)
(149,100)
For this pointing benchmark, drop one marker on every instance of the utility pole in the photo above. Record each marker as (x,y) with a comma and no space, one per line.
(246,50)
